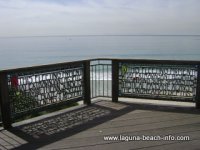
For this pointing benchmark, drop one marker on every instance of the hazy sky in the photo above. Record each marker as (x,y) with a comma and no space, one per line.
(80,17)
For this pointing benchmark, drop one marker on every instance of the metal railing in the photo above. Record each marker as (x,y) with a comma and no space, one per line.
(101,78)
(30,90)
(33,89)
(158,81)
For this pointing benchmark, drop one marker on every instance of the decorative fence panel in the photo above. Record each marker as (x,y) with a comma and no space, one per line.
(36,89)
(158,81)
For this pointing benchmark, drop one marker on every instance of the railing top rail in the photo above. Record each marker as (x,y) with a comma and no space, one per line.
(46,66)
(137,61)
(152,61)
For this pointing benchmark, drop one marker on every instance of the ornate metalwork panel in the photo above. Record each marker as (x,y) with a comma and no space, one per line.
(172,82)
(32,90)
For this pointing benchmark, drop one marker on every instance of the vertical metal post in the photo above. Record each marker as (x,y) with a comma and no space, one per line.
(5,101)
(115,80)
(197,99)
(87,96)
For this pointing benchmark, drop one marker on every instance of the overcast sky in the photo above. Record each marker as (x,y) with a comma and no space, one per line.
(98,17)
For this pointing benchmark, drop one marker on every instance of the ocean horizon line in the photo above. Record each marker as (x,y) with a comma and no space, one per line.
(89,35)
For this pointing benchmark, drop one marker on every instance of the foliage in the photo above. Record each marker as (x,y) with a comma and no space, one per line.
(21,101)
(124,70)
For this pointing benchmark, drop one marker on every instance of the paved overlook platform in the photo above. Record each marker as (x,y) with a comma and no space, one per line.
(84,127)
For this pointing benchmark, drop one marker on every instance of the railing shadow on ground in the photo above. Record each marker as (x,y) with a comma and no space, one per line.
(55,128)
(51,129)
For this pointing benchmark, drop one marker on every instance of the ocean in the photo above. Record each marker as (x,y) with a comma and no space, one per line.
(30,51)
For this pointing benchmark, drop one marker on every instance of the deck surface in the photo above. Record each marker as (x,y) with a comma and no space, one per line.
(85,127)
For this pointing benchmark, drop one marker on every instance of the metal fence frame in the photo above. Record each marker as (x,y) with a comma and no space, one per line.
(116,65)
(87,68)
(100,78)
(6,101)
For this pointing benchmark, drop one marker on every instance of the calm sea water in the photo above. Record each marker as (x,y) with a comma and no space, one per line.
(28,51)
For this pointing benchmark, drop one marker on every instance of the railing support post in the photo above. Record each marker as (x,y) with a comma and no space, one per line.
(5,101)
(87,96)
(115,80)
(198,88)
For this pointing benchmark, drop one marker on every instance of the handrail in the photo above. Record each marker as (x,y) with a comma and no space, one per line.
(150,61)
(41,66)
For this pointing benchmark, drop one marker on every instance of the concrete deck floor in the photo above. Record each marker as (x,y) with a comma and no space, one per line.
(84,127)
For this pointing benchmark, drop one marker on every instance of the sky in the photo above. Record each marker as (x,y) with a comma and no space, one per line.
(99,17)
